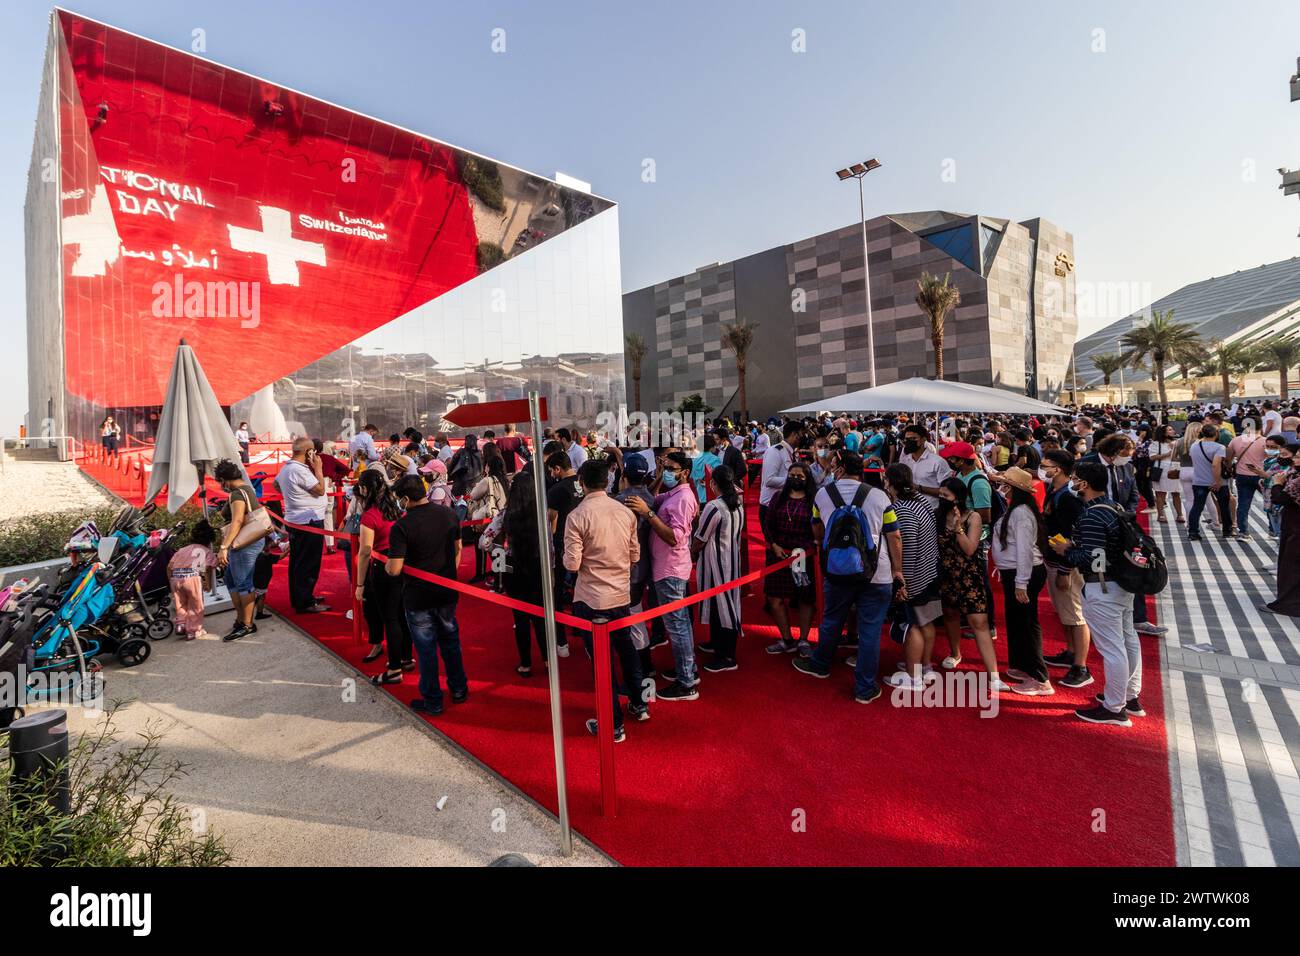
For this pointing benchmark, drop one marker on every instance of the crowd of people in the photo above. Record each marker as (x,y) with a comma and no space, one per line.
(901,521)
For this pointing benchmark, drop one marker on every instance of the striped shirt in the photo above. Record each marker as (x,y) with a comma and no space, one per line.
(1094,533)
(916,525)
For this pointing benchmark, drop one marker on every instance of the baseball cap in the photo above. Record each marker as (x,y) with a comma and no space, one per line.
(433,465)
(958,449)
(635,467)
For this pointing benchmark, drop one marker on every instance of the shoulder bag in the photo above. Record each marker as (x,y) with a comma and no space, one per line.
(257,523)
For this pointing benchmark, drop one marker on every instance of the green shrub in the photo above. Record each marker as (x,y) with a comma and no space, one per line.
(489,254)
(42,537)
(122,811)
(483,179)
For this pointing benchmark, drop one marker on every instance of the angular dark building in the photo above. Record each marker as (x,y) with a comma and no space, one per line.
(1014,329)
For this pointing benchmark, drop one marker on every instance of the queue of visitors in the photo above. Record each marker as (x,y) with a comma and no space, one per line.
(898,525)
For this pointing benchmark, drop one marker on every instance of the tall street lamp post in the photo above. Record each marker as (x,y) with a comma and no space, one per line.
(859,172)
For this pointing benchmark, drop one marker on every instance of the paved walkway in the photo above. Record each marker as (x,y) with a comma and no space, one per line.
(295,765)
(1234,701)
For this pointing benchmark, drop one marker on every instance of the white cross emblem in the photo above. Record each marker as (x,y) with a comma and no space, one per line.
(95,235)
(275,241)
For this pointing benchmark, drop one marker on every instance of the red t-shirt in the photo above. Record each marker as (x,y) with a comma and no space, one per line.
(509,446)
(374,519)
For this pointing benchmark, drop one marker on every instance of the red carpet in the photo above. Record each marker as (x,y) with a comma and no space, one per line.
(770,767)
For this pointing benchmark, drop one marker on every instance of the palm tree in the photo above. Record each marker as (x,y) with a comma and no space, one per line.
(1223,359)
(636,349)
(1108,363)
(1284,352)
(738,336)
(1161,340)
(936,298)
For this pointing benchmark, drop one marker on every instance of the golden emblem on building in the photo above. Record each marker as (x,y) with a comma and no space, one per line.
(1064,264)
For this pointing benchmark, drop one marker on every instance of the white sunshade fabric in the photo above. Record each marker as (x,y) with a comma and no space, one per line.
(193,433)
(928,395)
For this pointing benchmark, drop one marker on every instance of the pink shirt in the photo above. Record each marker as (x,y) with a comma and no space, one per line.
(677,509)
(600,543)
(191,559)
(1248,451)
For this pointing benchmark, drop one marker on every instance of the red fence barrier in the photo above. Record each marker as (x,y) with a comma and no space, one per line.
(600,636)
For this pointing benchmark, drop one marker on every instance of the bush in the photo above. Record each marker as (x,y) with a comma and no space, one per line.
(42,537)
(122,812)
(489,254)
(484,180)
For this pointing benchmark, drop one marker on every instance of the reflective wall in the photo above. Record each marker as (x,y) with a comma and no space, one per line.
(303,251)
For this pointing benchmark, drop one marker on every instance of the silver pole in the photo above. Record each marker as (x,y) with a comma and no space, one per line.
(1121,385)
(548,603)
(866,283)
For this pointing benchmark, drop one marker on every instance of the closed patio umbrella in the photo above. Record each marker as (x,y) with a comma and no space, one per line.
(193,433)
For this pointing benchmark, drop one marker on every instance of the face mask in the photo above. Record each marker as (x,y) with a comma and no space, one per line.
(1123,460)
(403,503)
(912,445)
(823,452)
(798,484)
(670,479)
(1042,474)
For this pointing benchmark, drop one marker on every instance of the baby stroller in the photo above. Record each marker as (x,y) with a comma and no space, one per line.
(132,616)
(16,608)
(63,631)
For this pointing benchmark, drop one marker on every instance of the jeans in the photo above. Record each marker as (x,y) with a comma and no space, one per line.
(1110,621)
(304,565)
(1247,485)
(620,645)
(1024,634)
(240,564)
(678,625)
(432,630)
(1199,494)
(873,602)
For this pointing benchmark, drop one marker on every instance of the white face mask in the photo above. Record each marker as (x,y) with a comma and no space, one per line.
(1122,460)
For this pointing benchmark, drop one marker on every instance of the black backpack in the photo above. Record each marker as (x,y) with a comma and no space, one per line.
(1138,566)
(997,504)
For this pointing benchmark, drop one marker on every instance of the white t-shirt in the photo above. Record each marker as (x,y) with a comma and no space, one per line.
(241,436)
(880,517)
(930,472)
(300,506)
(1275,419)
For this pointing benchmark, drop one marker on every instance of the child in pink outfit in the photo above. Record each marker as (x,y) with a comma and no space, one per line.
(190,571)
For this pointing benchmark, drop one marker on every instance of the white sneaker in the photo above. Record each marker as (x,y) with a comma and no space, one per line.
(349,614)
(950,663)
(851,660)
(563,650)
(999,687)
(904,681)
(927,670)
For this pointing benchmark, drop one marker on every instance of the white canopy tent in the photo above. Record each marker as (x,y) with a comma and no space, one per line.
(928,395)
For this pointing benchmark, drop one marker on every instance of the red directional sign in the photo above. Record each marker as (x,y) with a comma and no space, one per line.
(493,413)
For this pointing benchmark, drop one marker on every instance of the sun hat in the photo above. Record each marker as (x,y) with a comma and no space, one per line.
(1016,478)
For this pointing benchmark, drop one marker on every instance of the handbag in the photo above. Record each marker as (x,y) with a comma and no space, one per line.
(256,526)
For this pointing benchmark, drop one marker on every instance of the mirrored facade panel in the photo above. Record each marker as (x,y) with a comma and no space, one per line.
(276,233)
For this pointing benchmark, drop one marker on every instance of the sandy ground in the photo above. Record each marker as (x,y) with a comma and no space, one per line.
(295,765)
(44,487)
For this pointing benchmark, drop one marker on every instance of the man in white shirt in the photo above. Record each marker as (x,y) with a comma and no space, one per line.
(302,485)
(929,471)
(776,465)
(444,450)
(839,595)
(577,454)
(362,445)
(1272,419)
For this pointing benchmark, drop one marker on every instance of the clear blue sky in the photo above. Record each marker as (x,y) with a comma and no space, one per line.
(1141,150)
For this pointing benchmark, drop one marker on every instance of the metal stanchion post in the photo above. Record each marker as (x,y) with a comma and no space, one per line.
(605,717)
(548,605)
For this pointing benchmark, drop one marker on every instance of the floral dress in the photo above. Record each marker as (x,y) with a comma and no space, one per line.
(961,580)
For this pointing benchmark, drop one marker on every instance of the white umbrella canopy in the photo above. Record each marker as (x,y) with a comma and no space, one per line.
(193,433)
(928,395)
